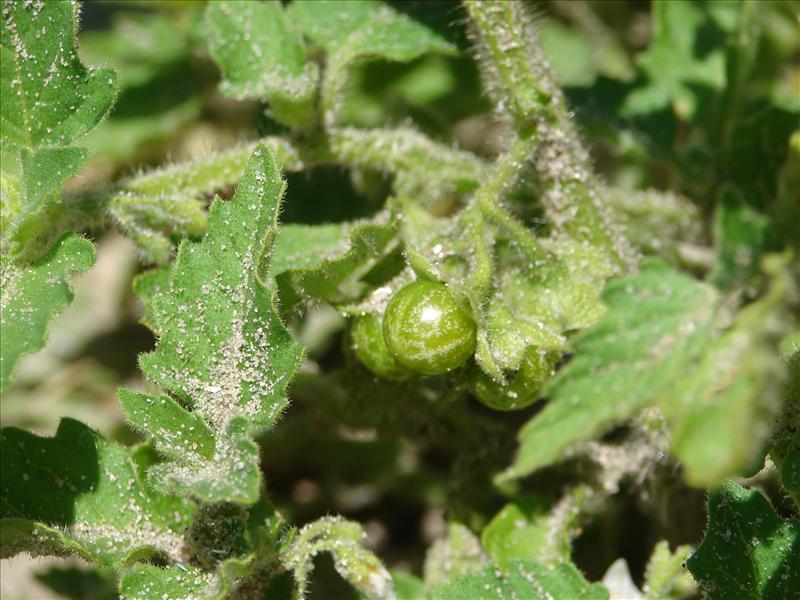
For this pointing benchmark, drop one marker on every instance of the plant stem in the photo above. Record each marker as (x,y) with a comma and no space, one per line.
(503,178)
(524,89)
(390,150)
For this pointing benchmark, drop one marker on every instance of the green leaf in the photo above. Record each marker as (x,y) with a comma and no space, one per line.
(571,55)
(49,97)
(732,392)
(262,57)
(79,583)
(176,432)
(531,528)
(661,341)
(522,579)
(32,295)
(160,87)
(147,286)
(740,235)
(537,306)
(365,28)
(342,539)
(656,325)
(29,204)
(78,493)
(327,262)
(666,576)
(145,581)
(358,30)
(407,586)
(457,554)
(231,475)
(303,246)
(222,349)
(657,223)
(676,73)
(150,221)
(748,551)
(167,201)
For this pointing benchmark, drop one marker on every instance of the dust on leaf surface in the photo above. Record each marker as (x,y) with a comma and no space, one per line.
(748,550)
(523,579)
(78,493)
(49,97)
(222,349)
(32,294)
(656,324)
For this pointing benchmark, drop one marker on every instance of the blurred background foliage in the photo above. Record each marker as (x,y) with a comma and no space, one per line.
(676,96)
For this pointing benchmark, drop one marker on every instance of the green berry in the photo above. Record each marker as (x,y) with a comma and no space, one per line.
(426,330)
(522,390)
(366,337)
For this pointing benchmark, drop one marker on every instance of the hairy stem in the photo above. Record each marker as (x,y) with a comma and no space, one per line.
(154,205)
(520,80)
(390,150)
(503,178)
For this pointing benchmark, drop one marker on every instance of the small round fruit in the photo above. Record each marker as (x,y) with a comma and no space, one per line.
(366,337)
(522,390)
(426,330)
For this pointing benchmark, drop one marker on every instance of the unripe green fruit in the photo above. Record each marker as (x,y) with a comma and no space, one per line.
(522,390)
(426,330)
(366,337)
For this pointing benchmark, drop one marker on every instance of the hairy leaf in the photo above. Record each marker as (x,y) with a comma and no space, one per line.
(748,551)
(222,347)
(79,583)
(657,223)
(176,432)
(145,581)
(666,575)
(326,262)
(732,392)
(536,304)
(522,579)
(365,28)
(150,220)
(262,57)
(531,528)
(29,199)
(656,325)
(32,295)
(457,554)
(78,493)
(343,540)
(360,29)
(49,99)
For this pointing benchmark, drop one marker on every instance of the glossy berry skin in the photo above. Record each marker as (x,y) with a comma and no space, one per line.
(523,389)
(366,338)
(426,330)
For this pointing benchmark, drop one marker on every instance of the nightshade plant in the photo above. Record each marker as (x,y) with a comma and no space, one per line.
(512,288)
